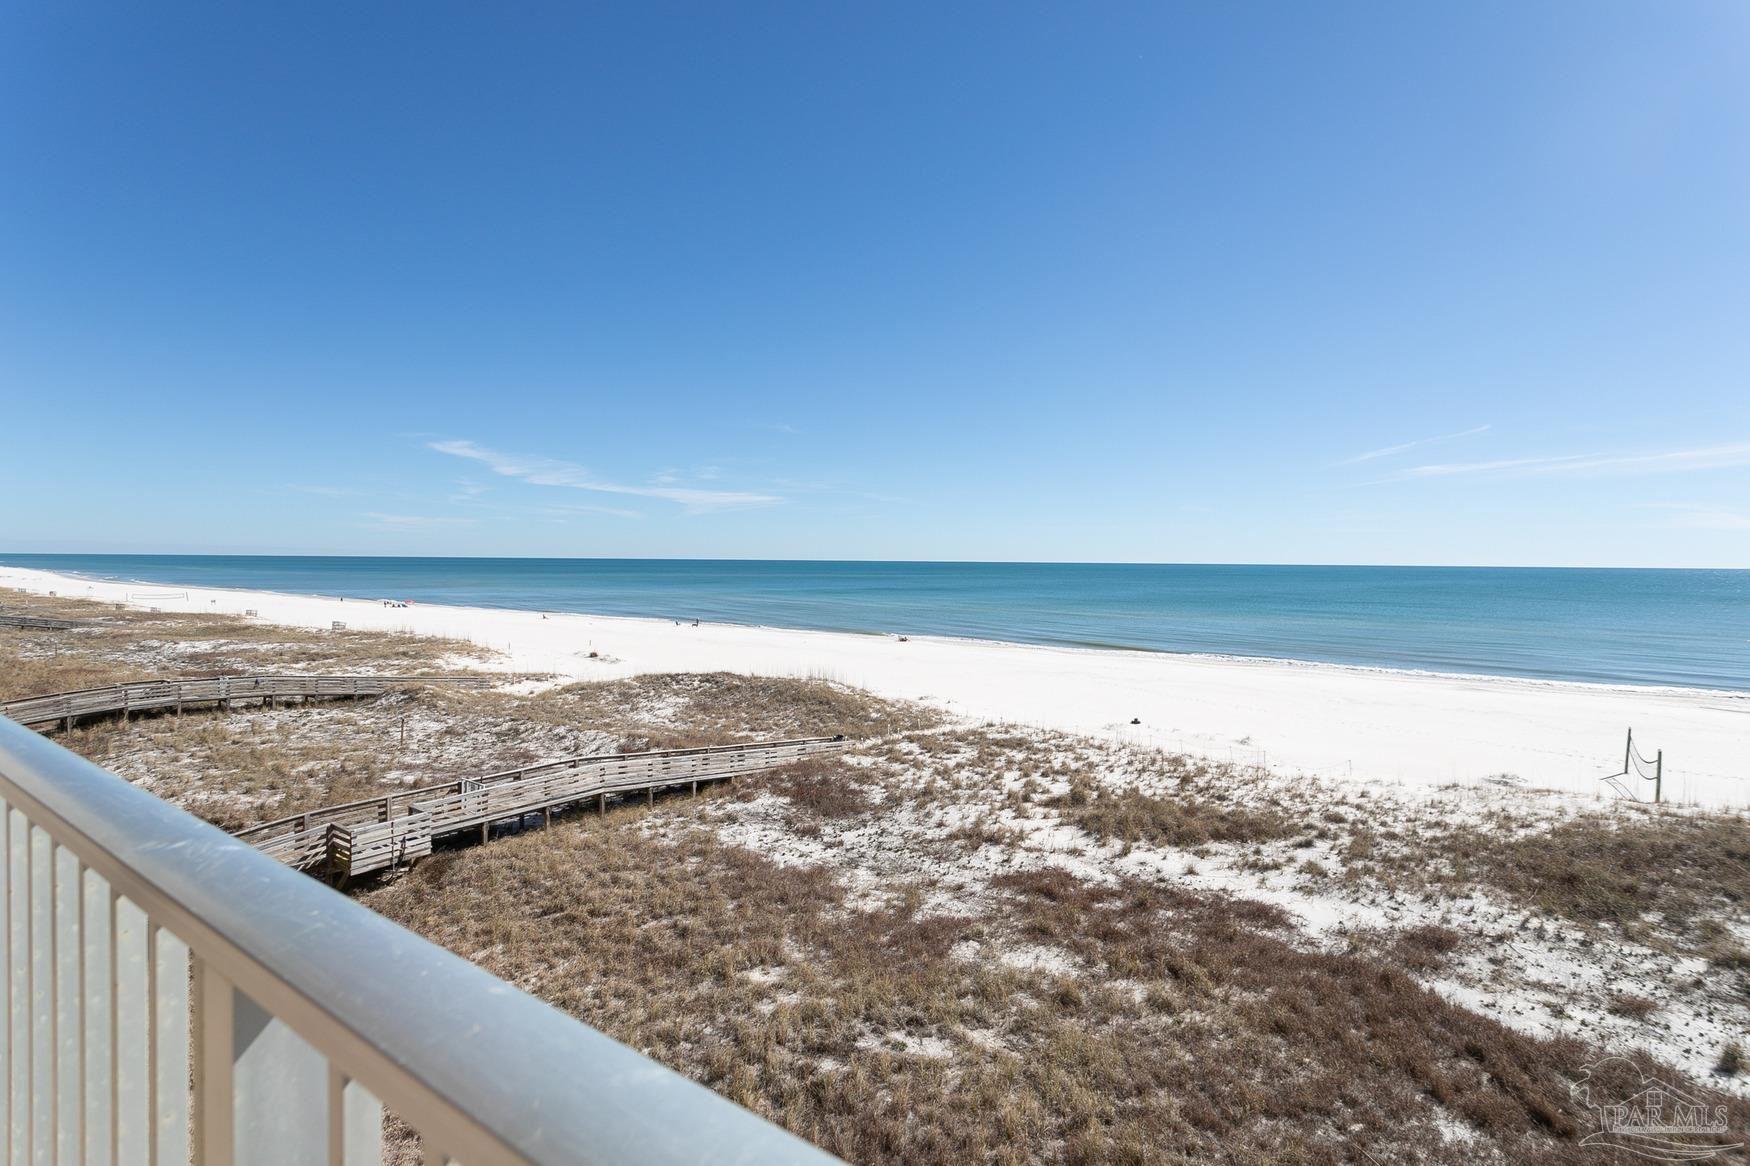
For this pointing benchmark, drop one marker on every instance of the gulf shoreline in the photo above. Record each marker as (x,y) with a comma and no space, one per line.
(1601,626)
(1341,721)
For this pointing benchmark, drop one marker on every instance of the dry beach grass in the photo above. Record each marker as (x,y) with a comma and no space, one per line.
(912,1025)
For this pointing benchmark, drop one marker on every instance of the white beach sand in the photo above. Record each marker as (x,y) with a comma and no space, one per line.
(1361,724)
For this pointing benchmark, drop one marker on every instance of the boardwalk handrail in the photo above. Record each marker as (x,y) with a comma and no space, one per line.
(13,620)
(136,695)
(425,792)
(310,1012)
(357,837)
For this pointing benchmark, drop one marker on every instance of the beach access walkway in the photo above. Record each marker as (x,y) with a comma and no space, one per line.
(9,620)
(63,709)
(360,837)
(376,833)
(356,838)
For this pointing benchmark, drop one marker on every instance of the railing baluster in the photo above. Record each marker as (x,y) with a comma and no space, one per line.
(355,1123)
(280,1085)
(6,962)
(151,1042)
(215,1045)
(169,1110)
(69,1007)
(17,953)
(42,996)
(99,1012)
(132,1027)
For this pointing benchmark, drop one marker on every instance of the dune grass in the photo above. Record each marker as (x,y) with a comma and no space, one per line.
(1193,1030)
(686,710)
(1196,812)
(1659,877)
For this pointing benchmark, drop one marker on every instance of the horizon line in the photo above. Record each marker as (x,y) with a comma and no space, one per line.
(872,562)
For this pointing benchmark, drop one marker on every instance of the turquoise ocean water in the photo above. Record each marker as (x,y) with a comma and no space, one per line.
(1613,626)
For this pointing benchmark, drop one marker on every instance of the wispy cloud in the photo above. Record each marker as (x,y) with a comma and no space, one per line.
(325,491)
(412,521)
(467,491)
(806,486)
(1711,457)
(1527,465)
(560,513)
(1404,447)
(671,477)
(1702,515)
(545,471)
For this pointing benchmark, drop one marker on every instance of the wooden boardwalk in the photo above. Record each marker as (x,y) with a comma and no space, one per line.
(8,620)
(63,708)
(359,837)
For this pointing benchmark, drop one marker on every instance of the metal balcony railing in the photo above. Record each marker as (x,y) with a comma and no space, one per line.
(174,995)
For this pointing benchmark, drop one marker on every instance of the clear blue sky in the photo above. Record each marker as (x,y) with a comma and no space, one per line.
(1455,283)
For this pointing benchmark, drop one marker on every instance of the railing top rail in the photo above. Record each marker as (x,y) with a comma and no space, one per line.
(529,1085)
